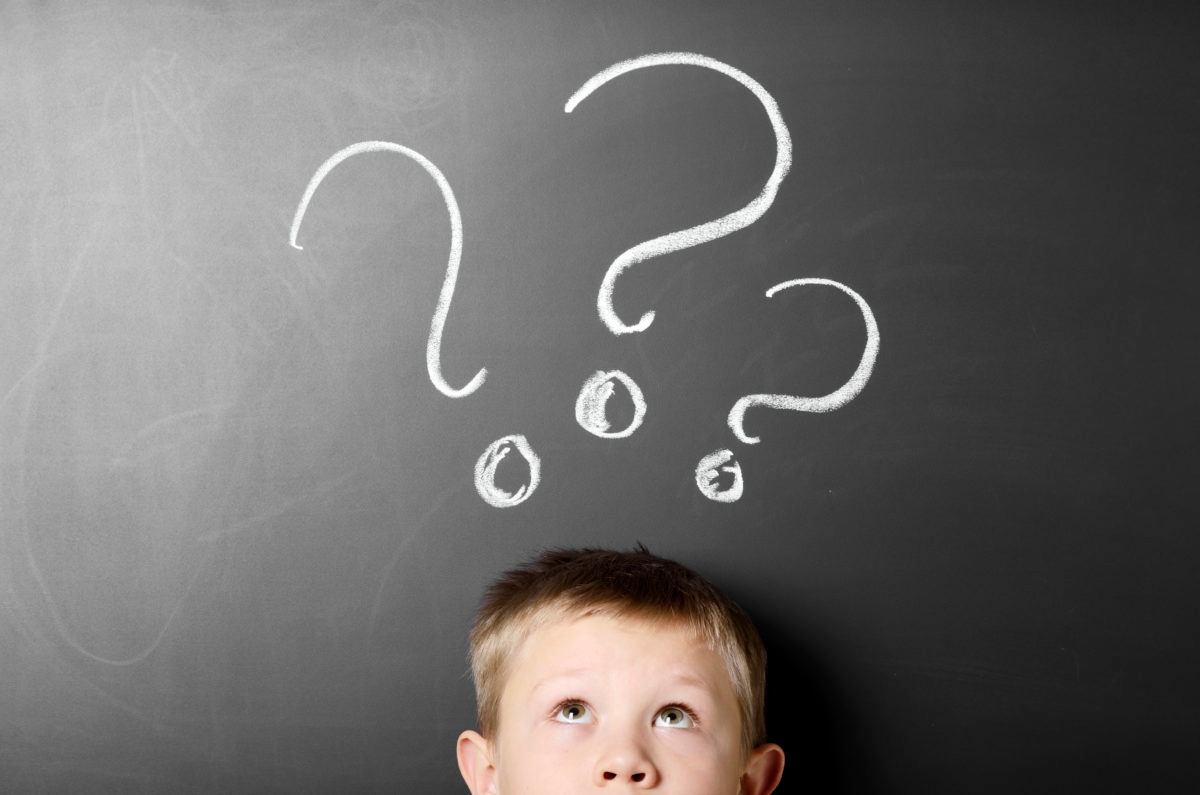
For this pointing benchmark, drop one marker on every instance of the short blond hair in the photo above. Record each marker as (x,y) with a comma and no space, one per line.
(567,583)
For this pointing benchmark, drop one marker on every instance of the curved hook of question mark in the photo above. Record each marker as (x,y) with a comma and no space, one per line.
(708,470)
(702,233)
(834,400)
(436,326)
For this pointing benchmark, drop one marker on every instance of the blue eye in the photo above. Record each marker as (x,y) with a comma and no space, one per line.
(674,718)
(573,712)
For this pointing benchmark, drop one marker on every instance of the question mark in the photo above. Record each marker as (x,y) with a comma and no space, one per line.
(434,346)
(485,467)
(594,395)
(702,233)
(707,474)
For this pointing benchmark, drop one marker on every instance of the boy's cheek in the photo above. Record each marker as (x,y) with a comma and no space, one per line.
(694,748)
(686,739)
(553,759)
(540,743)
(552,739)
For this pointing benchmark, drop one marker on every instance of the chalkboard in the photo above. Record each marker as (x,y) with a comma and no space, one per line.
(316,316)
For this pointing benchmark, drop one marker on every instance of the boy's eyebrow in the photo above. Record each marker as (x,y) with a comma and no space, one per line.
(572,673)
(568,674)
(680,678)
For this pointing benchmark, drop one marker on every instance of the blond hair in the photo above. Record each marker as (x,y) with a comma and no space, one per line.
(565,583)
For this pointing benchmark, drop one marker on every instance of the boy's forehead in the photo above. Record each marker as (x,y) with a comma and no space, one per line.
(625,625)
(593,642)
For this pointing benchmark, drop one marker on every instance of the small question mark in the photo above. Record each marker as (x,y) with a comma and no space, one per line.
(485,468)
(709,468)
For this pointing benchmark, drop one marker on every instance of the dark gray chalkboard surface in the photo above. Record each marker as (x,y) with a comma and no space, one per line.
(242,530)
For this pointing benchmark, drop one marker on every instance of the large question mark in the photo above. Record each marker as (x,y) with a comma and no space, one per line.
(702,233)
(707,474)
(485,468)
(434,346)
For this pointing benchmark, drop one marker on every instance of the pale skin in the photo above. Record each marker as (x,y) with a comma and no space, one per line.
(617,705)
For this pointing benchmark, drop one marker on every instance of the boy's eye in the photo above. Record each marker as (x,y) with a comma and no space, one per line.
(573,712)
(674,717)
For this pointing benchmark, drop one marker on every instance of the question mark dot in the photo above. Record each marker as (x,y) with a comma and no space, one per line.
(591,407)
(485,472)
(716,470)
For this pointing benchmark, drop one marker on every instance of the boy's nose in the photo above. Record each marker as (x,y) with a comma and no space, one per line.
(628,764)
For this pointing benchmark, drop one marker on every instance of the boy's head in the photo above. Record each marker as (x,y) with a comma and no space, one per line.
(600,667)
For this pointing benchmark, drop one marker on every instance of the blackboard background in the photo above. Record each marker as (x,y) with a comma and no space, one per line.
(241,545)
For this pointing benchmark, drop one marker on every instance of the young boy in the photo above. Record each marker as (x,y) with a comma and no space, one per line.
(620,672)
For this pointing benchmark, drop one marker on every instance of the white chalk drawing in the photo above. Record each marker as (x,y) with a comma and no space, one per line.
(708,476)
(591,408)
(485,471)
(702,233)
(438,324)
(834,400)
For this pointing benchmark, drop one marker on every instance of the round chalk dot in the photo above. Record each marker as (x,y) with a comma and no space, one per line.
(591,407)
(485,472)
(708,476)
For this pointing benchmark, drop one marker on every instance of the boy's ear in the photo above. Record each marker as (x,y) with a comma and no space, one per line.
(763,770)
(475,763)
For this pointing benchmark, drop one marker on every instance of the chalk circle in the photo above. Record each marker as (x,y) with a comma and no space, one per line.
(591,407)
(485,471)
(708,476)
